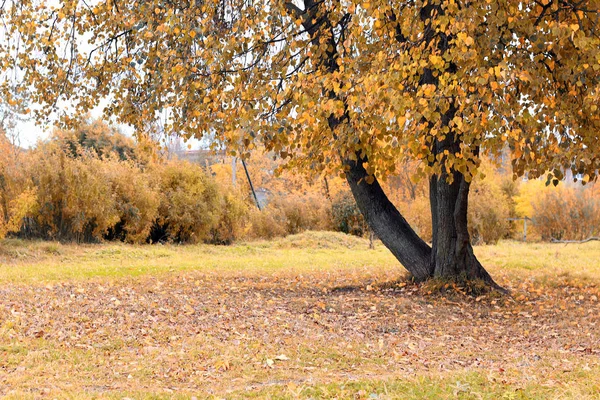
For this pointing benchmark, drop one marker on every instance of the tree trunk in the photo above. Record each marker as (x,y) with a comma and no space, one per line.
(451,254)
(3,198)
(388,224)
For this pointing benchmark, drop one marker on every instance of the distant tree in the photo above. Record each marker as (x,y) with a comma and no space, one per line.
(346,215)
(5,150)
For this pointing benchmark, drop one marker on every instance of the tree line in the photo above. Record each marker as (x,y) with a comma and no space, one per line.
(93,183)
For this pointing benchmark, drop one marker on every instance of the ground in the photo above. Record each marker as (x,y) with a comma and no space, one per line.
(316,315)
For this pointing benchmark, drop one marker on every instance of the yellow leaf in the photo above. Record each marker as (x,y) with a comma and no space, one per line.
(189,310)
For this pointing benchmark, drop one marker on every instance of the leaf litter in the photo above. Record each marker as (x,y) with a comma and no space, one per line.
(216,334)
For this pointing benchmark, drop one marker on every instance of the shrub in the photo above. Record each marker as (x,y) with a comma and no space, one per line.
(346,216)
(75,200)
(87,198)
(488,212)
(567,212)
(97,137)
(418,214)
(189,204)
(301,213)
(233,217)
(288,215)
(267,224)
(136,200)
(17,196)
(23,205)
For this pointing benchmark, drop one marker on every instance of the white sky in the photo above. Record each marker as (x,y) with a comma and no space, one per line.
(30,133)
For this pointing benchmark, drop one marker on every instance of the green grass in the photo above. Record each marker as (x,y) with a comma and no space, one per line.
(551,263)
(579,384)
(473,385)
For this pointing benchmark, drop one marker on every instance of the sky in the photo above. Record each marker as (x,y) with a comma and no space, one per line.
(30,133)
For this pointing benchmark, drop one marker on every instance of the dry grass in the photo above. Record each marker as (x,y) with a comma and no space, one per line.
(312,316)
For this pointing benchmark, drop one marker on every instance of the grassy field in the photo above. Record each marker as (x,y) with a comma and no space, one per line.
(316,315)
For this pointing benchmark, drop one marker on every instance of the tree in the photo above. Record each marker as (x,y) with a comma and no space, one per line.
(97,137)
(338,86)
(5,150)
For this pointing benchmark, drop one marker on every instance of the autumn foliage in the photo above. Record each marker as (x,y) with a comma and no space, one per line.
(567,212)
(93,184)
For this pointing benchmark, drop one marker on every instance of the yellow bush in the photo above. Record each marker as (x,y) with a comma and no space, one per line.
(418,214)
(97,137)
(266,224)
(488,212)
(567,212)
(137,200)
(285,215)
(83,197)
(75,199)
(233,217)
(301,213)
(17,197)
(528,194)
(24,205)
(189,204)
(346,216)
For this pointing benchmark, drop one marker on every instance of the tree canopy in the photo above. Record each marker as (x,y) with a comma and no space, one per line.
(396,76)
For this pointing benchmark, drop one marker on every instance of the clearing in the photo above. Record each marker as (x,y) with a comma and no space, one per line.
(316,315)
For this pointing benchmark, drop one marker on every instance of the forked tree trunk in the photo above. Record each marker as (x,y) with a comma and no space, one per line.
(451,254)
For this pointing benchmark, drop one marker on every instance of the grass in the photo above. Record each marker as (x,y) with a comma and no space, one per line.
(316,315)
(31,262)
(542,260)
